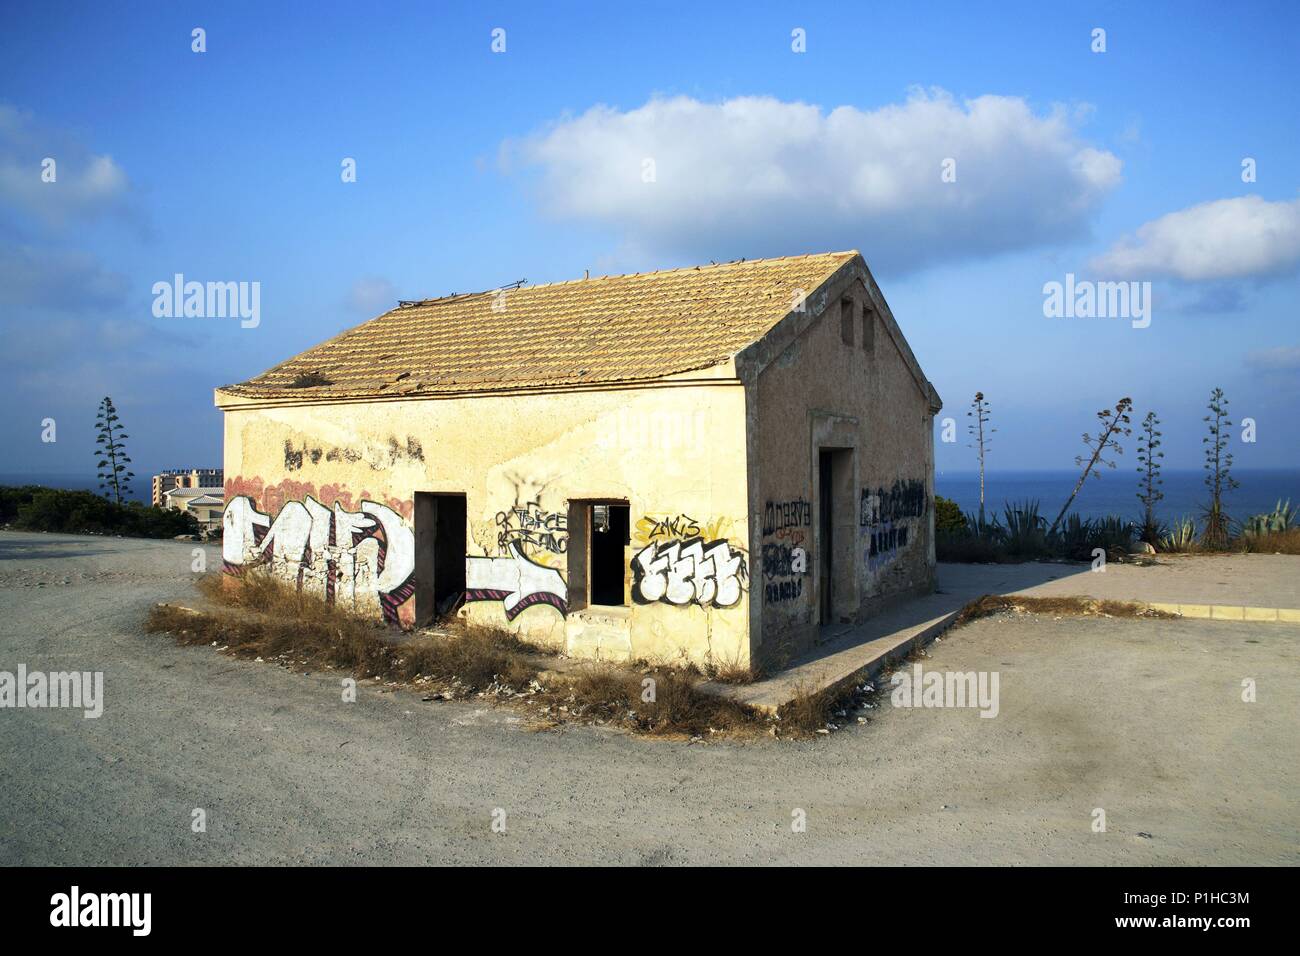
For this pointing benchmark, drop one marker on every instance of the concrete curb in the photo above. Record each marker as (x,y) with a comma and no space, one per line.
(1231,612)
(892,655)
(770,695)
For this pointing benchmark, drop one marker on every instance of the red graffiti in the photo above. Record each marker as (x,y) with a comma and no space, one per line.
(271,498)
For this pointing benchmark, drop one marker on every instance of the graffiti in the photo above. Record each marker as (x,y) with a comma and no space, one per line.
(783,561)
(652,529)
(274,497)
(779,515)
(886,517)
(780,560)
(905,499)
(677,526)
(532,529)
(775,592)
(378,457)
(884,543)
(693,571)
(360,556)
(514,580)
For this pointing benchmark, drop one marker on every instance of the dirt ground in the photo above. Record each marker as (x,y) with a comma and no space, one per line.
(1143,719)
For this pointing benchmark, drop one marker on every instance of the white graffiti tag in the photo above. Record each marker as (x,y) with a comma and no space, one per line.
(691,571)
(515,580)
(364,557)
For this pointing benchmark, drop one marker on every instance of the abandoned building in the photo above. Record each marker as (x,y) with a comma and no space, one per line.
(705,464)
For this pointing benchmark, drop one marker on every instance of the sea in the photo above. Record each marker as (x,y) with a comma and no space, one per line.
(1115,492)
(138,490)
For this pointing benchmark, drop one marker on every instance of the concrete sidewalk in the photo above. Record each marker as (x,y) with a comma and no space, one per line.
(1242,587)
(1255,580)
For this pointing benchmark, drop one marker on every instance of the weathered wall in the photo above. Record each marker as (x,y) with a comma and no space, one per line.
(814,392)
(325,494)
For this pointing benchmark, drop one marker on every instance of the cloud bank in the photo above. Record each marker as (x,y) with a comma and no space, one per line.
(1241,238)
(756,176)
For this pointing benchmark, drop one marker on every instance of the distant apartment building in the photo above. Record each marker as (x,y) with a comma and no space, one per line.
(205,478)
(206,504)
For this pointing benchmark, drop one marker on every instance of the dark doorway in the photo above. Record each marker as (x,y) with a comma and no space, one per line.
(439,555)
(825,536)
(610,527)
(837,535)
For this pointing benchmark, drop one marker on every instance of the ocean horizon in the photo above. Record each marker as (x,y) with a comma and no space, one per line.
(1115,492)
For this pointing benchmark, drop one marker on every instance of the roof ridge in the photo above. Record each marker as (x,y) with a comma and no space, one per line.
(417,303)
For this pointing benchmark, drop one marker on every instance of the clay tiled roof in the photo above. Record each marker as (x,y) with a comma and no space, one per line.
(588,331)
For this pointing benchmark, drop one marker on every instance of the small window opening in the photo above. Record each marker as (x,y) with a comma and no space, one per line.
(868,329)
(846,321)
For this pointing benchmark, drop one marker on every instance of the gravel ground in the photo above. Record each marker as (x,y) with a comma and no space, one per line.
(1143,719)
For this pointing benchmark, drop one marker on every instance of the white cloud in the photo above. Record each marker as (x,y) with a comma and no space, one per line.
(1224,239)
(1280,358)
(86,185)
(756,176)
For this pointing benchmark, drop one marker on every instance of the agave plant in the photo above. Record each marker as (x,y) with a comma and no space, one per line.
(1026,530)
(1112,534)
(985,529)
(1181,536)
(1072,538)
(1278,520)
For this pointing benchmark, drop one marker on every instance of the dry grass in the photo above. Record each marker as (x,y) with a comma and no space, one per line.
(1276,542)
(809,711)
(661,701)
(256,615)
(734,672)
(991,604)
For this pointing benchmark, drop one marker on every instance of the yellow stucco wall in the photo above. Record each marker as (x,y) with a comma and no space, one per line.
(314,479)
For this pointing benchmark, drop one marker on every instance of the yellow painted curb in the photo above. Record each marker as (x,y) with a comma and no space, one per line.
(1227,612)
(1259,613)
(1232,612)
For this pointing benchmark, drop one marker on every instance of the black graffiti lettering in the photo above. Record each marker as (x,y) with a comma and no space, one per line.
(777,560)
(533,529)
(679,526)
(887,540)
(778,515)
(904,499)
(779,591)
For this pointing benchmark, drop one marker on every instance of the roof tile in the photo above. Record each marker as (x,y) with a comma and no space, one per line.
(586,331)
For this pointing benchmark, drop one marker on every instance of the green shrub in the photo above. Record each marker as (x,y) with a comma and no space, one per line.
(81,512)
(948,518)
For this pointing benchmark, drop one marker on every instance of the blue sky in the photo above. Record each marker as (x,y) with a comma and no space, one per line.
(477,168)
